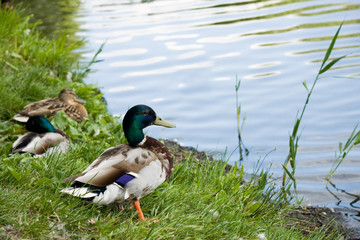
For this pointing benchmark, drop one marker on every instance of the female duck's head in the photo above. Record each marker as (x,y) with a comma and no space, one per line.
(69,96)
(139,117)
(39,124)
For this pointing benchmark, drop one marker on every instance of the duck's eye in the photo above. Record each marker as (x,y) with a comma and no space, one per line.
(145,113)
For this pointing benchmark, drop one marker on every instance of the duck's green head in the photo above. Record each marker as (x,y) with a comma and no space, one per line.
(139,117)
(39,124)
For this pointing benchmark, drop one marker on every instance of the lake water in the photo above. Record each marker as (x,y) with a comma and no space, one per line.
(183,57)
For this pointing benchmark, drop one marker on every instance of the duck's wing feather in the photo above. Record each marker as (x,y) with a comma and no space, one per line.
(22,142)
(114,163)
(38,143)
(41,103)
(35,109)
(41,112)
(76,111)
(49,107)
(39,108)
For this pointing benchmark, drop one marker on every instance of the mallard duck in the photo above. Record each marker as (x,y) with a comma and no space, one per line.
(42,138)
(67,101)
(127,172)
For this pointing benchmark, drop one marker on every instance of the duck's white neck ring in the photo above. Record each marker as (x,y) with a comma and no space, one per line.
(142,141)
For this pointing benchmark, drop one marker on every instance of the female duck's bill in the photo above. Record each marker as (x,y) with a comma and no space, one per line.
(42,138)
(127,172)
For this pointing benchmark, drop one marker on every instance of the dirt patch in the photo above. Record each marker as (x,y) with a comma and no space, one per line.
(310,219)
(8,232)
(180,152)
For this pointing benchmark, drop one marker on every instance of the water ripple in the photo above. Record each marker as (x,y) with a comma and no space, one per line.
(123,52)
(136,63)
(170,37)
(175,46)
(168,70)
(265,65)
(120,89)
(261,75)
(190,54)
(227,55)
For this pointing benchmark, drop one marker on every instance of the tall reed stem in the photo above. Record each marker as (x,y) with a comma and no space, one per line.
(243,151)
(295,136)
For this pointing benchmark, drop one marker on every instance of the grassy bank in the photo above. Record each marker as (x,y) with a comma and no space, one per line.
(202,200)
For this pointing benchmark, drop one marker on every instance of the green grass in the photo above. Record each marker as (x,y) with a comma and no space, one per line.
(200,201)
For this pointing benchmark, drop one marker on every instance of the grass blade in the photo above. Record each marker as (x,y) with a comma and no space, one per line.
(330,48)
(305,85)
(289,174)
(328,66)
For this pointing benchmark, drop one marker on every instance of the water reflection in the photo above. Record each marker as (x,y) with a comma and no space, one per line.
(121,89)
(140,62)
(355,203)
(168,70)
(123,52)
(190,55)
(56,16)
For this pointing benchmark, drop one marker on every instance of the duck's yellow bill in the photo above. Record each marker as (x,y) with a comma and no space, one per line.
(160,122)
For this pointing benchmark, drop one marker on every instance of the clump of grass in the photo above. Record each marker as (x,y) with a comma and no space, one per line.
(201,200)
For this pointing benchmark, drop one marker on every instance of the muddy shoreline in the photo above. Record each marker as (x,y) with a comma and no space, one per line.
(307,218)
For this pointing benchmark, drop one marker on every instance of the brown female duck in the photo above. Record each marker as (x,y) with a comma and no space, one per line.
(67,101)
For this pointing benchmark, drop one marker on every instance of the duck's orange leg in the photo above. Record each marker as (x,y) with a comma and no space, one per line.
(138,209)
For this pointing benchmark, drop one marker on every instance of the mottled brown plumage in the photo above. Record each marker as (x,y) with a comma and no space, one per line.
(67,102)
(162,153)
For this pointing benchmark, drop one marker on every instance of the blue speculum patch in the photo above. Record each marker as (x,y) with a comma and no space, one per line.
(124,179)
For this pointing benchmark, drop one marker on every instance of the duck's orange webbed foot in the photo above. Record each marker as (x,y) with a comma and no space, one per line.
(138,209)
(140,213)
